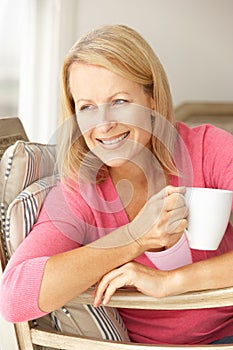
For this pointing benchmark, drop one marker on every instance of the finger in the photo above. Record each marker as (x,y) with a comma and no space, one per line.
(122,280)
(174,201)
(94,289)
(174,221)
(176,214)
(177,227)
(107,293)
(174,238)
(168,190)
(115,284)
(103,284)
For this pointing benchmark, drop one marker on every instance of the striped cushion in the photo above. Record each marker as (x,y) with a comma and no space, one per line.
(21,165)
(92,322)
(23,212)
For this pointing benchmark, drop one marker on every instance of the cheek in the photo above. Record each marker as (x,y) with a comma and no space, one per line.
(86,124)
(136,116)
(144,137)
(88,139)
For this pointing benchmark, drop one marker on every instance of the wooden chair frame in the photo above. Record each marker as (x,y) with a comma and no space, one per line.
(129,299)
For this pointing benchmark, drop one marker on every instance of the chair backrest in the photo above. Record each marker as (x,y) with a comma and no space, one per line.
(216,113)
(11,130)
(27,173)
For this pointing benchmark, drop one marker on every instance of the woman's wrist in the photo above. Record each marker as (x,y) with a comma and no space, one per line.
(175,282)
(120,238)
(191,277)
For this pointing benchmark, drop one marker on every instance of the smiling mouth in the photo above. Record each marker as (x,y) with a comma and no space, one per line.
(114,141)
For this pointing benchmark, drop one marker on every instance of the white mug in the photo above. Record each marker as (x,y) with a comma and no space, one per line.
(209,214)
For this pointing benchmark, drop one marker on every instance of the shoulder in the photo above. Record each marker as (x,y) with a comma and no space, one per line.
(210,149)
(206,134)
(82,195)
(65,201)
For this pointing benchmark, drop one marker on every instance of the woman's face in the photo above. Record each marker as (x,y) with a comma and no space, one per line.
(113,113)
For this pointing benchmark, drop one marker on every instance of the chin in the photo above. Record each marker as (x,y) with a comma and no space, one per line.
(114,163)
(129,152)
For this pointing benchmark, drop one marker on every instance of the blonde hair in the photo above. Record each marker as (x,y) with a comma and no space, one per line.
(123,51)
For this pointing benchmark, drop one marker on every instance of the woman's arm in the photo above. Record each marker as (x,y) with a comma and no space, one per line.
(49,269)
(212,273)
(159,223)
(68,274)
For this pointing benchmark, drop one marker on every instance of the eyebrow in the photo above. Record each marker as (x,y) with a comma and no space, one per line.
(109,98)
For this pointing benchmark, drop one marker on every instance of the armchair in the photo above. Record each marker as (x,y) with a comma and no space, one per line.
(14,206)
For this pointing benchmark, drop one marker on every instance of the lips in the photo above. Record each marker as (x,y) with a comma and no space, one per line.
(114,141)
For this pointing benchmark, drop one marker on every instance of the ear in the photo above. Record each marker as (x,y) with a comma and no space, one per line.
(152,103)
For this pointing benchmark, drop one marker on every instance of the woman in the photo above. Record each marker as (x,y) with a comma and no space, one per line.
(124,165)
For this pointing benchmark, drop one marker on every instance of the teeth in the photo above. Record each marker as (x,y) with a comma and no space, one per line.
(112,142)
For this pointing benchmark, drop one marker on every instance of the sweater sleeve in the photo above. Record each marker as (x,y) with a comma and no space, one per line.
(21,280)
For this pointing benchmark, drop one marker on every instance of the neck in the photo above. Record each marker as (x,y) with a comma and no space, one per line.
(143,175)
(136,171)
(130,172)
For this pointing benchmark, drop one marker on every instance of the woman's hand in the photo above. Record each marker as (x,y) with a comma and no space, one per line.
(147,280)
(162,220)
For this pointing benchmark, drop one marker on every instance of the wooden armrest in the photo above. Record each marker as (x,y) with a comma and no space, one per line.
(124,298)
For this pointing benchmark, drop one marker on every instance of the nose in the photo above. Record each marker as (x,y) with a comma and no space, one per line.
(104,123)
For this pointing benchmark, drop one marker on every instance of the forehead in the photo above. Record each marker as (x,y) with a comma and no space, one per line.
(88,79)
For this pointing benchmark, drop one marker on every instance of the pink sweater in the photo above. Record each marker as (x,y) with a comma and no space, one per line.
(82,218)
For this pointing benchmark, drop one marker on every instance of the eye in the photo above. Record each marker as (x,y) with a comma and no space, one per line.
(119,102)
(87,108)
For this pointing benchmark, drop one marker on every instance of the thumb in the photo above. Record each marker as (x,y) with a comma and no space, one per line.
(168,190)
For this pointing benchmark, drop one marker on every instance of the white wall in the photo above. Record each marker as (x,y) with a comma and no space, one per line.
(193,39)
